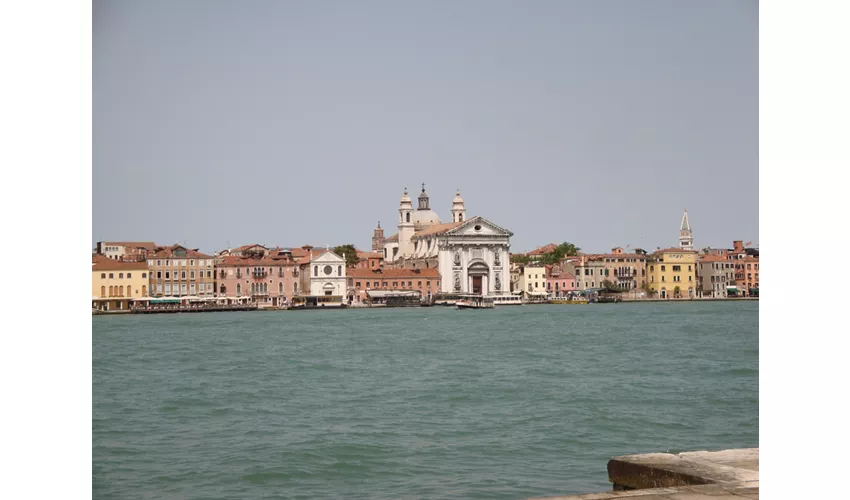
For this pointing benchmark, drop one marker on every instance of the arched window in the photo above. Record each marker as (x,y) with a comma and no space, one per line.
(408,216)
(144,291)
(280,288)
(239,289)
(111,275)
(121,276)
(222,290)
(103,276)
(460,217)
(110,291)
(103,291)
(121,291)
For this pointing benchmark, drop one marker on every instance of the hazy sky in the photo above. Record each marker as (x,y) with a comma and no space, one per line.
(301,122)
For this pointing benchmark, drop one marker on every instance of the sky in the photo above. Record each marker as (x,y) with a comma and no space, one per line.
(220,123)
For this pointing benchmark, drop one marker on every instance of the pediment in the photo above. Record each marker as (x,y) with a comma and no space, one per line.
(479,226)
(328,257)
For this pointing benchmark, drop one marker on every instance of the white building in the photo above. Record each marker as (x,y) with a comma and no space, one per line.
(327,275)
(471,254)
(686,237)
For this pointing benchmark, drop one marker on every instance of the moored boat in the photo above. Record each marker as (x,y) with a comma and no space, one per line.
(475,302)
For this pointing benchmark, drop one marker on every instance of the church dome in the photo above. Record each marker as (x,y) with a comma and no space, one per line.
(425,218)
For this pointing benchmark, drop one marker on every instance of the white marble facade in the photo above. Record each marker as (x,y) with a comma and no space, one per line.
(473,258)
(327,275)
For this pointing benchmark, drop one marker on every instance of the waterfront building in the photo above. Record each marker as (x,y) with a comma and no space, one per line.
(558,281)
(626,271)
(532,281)
(125,250)
(181,271)
(672,273)
(115,283)
(362,282)
(686,238)
(715,275)
(589,272)
(268,280)
(249,250)
(327,275)
(471,254)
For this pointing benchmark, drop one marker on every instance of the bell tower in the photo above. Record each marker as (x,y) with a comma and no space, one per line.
(458,209)
(378,239)
(405,225)
(686,238)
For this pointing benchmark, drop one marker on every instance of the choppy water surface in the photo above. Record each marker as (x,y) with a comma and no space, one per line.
(413,403)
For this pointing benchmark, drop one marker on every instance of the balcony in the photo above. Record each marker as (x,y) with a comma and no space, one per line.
(261,273)
(238,274)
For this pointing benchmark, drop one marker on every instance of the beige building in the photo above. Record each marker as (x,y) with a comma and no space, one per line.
(672,273)
(715,276)
(532,281)
(180,271)
(125,250)
(114,283)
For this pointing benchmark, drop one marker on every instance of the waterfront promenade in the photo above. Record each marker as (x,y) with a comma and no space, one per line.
(697,475)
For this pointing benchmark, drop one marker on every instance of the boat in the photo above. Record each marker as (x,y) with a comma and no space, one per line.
(507,300)
(475,302)
(569,299)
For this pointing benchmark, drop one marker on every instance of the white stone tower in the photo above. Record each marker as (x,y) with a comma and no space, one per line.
(405,226)
(686,238)
(458,210)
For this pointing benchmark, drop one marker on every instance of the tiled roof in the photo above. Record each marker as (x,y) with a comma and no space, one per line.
(436,229)
(674,250)
(391,238)
(543,250)
(148,245)
(368,255)
(238,261)
(393,273)
(103,263)
(168,252)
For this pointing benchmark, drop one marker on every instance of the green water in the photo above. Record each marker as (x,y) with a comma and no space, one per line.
(413,403)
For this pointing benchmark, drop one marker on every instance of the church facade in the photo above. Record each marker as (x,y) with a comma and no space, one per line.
(471,254)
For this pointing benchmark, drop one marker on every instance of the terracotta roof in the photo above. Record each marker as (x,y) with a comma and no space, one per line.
(148,245)
(391,238)
(715,258)
(674,250)
(543,250)
(103,263)
(393,273)
(436,229)
(368,255)
(238,261)
(168,252)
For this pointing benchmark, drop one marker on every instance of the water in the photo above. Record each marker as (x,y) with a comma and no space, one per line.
(413,403)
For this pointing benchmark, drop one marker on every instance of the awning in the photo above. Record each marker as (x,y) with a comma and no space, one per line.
(166,300)
(538,294)
(142,299)
(732,288)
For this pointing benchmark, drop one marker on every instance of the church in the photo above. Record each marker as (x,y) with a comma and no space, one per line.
(471,254)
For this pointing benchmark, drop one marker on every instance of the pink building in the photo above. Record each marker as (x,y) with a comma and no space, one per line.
(269,281)
(559,282)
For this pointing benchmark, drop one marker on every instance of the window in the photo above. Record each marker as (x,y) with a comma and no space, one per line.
(690,278)
(350,282)
(159,288)
(159,262)
(144,275)
(103,276)
(111,275)
(675,268)
(192,274)
(339,270)
(315,270)
(129,275)
(376,284)
(358,284)
(239,289)
(167,275)
(183,275)
(103,291)
(419,284)
(689,268)
(191,262)
(408,216)
(410,284)
(144,291)
(662,278)
(663,268)
(395,284)
(201,287)
(192,288)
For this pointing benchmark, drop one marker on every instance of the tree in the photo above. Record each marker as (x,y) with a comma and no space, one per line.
(676,291)
(350,254)
(610,285)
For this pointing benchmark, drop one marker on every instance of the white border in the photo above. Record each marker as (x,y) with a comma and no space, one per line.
(45,126)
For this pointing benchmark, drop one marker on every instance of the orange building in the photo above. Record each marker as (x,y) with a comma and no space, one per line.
(361,281)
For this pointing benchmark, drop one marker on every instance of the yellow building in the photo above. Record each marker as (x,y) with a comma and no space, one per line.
(532,281)
(115,283)
(672,273)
